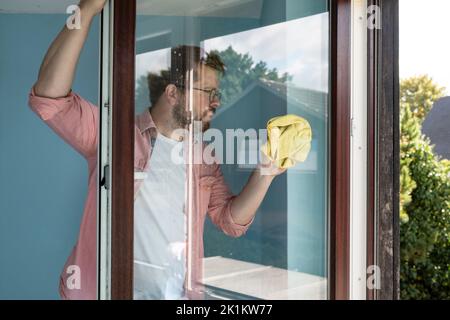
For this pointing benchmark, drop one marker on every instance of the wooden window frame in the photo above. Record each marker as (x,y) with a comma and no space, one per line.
(122,187)
(339,248)
(383,212)
(122,168)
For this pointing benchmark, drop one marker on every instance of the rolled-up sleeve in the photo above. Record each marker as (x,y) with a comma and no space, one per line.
(219,208)
(73,118)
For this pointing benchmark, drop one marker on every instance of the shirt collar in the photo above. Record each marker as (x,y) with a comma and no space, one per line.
(144,121)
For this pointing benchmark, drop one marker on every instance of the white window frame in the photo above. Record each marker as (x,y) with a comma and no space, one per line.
(359,149)
(104,156)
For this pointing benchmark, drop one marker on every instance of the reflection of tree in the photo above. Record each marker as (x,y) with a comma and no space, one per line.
(142,94)
(241,72)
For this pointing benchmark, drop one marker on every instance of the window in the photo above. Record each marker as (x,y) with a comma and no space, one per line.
(276,57)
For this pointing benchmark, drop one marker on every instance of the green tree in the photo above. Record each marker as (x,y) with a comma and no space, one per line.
(242,71)
(424,199)
(420,93)
(410,134)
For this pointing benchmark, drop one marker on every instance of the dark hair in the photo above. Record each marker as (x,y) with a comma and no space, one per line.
(182,60)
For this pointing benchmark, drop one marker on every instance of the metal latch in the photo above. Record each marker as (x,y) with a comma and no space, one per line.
(106,178)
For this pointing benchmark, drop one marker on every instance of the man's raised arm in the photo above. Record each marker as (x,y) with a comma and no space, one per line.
(58,67)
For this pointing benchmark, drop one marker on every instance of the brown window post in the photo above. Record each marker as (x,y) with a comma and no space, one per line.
(339,277)
(122,187)
(383,228)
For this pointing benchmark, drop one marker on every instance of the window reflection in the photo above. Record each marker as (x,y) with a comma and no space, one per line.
(273,67)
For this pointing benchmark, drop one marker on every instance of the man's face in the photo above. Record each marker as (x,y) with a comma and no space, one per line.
(203,107)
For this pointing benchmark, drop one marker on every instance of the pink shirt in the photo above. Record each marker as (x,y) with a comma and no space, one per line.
(75,120)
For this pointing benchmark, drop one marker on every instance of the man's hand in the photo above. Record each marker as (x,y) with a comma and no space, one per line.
(244,206)
(268,167)
(92,6)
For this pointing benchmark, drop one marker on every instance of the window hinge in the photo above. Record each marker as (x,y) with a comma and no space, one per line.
(106,179)
(106,104)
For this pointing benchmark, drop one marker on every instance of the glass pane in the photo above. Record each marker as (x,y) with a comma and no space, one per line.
(212,220)
(48,234)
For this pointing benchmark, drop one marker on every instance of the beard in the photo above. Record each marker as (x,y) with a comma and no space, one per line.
(182,119)
(180,116)
(206,118)
(205,126)
(205,123)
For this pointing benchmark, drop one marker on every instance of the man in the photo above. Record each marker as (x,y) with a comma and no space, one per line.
(168,225)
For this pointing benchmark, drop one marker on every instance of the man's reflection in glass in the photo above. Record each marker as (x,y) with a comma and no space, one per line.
(161,213)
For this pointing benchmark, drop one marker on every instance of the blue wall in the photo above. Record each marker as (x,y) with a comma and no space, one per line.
(43,182)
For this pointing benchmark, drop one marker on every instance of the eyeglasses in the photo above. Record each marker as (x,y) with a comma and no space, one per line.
(214,94)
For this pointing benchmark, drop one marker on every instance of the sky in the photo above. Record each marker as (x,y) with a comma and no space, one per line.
(299,47)
(425,40)
(424,45)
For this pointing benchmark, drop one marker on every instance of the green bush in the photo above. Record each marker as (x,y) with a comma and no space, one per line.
(425,206)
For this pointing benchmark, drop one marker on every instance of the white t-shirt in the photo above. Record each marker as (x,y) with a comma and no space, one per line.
(160,226)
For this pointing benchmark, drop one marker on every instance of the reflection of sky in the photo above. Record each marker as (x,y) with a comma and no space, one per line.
(299,47)
(152,61)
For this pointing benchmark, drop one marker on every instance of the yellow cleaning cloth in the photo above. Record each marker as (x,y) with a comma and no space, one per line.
(288,140)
